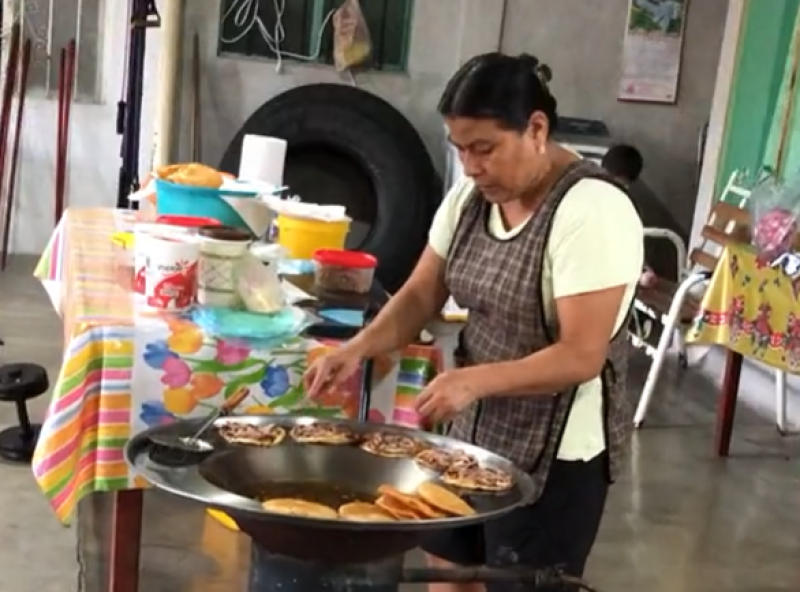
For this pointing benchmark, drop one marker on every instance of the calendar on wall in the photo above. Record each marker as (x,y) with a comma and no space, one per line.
(652,50)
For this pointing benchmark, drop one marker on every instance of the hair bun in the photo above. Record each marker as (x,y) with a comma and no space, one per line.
(540,70)
(544,72)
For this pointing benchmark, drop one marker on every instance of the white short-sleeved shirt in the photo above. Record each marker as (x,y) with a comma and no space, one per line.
(596,242)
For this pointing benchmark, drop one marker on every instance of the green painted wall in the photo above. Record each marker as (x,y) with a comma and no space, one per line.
(761,59)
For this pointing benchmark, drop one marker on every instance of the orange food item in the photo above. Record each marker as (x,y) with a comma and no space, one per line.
(364,512)
(444,500)
(413,503)
(395,508)
(193,174)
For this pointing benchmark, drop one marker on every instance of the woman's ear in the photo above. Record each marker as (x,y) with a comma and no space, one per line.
(539,130)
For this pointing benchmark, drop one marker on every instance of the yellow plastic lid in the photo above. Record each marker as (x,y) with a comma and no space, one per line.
(123,239)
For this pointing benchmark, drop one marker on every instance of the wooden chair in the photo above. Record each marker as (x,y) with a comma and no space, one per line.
(676,303)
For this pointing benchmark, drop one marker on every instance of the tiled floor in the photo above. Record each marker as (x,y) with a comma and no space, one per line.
(679,521)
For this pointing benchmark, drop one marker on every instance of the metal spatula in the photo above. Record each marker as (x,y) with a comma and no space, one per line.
(195,443)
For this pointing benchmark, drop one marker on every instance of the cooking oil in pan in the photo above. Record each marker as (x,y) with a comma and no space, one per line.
(327,494)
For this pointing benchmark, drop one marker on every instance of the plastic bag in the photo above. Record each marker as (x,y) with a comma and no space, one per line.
(259,285)
(261,331)
(351,40)
(774,212)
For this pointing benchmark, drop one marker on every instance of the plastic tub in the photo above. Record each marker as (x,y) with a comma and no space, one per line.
(336,270)
(173,199)
(302,237)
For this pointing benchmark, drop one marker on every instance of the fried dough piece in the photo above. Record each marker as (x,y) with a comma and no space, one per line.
(395,508)
(412,502)
(434,459)
(323,433)
(299,507)
(391,445)
(193,174)
(166,171)
(479,479)
(364,512)
(252,435)
(441,460)
(444,500)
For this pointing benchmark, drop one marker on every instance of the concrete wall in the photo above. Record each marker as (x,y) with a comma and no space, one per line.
(444,34)
(94,146)
(581,43)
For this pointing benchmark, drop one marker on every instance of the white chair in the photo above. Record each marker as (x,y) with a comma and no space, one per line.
(675,304)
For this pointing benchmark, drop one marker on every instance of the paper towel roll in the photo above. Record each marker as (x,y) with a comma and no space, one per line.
(262,159)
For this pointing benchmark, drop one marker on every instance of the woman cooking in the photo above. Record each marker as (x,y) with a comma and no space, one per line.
(545,252)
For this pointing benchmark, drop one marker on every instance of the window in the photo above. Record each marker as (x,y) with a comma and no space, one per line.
(50,31)
(250,28)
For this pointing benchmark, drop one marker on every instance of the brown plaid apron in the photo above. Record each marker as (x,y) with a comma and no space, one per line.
(499,282)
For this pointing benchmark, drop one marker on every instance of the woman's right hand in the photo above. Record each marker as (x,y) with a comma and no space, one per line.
(331,369)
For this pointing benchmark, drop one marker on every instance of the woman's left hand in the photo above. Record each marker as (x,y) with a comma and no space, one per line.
(447,395)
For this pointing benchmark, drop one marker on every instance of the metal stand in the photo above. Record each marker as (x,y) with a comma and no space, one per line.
(276,573)
(129,111)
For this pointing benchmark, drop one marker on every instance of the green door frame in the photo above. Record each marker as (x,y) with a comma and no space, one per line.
(764,44)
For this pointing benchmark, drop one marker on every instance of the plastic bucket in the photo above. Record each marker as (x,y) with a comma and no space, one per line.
(173,199)
(301,237)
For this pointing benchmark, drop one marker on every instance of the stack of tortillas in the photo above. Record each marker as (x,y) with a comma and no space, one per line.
(300,508)
(429,502)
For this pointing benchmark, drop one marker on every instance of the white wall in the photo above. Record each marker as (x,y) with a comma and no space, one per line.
(94,146)
(582,42)
(444,34)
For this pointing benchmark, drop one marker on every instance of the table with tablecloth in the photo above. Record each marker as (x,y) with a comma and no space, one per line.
(751,308)
(126,370)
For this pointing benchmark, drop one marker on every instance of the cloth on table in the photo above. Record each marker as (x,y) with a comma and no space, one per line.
(752,308)
(124,372)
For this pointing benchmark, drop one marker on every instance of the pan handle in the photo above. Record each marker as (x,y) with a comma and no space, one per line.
(533,577)
(365,400)
(368,371)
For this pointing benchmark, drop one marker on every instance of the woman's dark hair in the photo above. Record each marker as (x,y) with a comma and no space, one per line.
(502,87)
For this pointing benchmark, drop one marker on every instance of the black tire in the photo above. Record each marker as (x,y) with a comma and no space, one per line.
(364,102)
(399,232)
(403,215)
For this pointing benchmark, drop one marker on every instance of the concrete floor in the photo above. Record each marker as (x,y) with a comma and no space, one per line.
(680,520)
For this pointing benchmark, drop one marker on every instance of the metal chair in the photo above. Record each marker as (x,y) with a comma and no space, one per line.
(675,304)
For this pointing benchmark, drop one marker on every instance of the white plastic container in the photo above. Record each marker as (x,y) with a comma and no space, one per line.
(221,251)
(170,271)
(141,233)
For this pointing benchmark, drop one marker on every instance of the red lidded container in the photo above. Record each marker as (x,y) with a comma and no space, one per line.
(337,270)
(187,221)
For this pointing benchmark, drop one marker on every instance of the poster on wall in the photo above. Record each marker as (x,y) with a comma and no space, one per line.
(651,54)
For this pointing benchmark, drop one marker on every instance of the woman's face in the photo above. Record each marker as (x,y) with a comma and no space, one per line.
(505,164)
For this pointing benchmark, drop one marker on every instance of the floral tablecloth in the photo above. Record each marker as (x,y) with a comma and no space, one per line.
(124,371)
(752,308)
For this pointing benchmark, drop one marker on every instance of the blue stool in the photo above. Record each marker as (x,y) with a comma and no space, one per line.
(18,383)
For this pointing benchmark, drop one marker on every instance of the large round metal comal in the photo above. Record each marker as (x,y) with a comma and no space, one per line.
(236,478)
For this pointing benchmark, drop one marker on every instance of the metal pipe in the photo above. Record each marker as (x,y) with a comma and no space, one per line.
(168,73)
(143,15)
(25,65)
